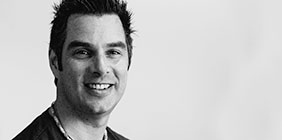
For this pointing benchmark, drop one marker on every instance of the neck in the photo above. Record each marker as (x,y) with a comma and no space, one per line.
(80,126)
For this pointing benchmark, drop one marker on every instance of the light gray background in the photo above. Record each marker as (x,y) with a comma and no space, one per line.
(201,69)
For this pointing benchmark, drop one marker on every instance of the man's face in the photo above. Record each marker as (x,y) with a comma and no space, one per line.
(94,63)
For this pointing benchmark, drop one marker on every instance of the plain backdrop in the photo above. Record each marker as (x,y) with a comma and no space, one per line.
(201,69)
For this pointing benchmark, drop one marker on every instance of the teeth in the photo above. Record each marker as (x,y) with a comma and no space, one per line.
(99,86)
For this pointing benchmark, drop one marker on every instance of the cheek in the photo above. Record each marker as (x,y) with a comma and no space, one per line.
(123,78)
(121,73)
(74,70)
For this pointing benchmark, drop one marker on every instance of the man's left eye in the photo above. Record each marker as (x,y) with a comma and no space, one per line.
(113,52)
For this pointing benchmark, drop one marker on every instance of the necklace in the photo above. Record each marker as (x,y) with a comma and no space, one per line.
(60,126)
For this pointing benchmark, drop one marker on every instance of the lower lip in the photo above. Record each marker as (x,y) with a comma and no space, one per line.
(99,93)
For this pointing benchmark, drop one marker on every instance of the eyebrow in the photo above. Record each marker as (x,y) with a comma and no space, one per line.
(117,44)
(77,43)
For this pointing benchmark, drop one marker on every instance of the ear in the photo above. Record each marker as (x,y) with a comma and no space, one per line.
(53,62)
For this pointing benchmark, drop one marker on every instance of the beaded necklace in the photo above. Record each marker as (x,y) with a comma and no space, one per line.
(60,126)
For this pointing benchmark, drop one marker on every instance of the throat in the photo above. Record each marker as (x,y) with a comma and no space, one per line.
(77,126)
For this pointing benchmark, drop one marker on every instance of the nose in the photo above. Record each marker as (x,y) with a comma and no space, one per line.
(99,66)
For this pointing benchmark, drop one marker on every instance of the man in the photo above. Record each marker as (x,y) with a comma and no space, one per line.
(90,54)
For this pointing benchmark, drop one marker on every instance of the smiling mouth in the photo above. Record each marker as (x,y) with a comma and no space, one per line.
(98,86)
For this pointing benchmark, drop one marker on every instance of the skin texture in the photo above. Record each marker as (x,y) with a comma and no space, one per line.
(94,51)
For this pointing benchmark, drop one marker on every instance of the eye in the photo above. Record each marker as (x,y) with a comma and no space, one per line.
(81,53)
(114,53)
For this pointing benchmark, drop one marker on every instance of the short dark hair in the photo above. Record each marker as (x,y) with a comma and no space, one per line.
(97,7)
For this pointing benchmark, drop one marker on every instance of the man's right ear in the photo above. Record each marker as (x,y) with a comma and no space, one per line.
(53,62)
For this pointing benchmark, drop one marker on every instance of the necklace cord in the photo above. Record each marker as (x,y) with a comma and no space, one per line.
(54,115)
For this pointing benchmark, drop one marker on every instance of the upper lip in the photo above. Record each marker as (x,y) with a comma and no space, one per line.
(99,83)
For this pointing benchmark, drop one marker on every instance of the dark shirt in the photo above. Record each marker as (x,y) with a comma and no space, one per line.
(45,128)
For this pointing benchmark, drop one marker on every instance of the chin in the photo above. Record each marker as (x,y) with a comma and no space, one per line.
(98,110)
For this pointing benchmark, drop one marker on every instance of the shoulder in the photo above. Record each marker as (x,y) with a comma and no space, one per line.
(112,135)
(42,128)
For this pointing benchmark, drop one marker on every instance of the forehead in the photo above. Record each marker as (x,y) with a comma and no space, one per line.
(96,29)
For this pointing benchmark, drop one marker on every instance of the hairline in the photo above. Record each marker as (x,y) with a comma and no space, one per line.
(77,15)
